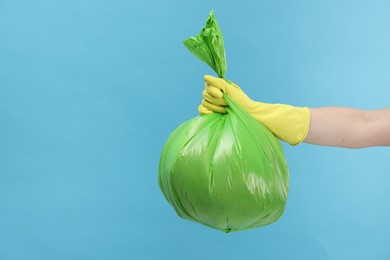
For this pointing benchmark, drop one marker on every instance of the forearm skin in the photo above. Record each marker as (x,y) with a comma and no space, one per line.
(348,127)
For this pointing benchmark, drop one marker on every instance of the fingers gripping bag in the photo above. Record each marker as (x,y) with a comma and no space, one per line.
(226,171)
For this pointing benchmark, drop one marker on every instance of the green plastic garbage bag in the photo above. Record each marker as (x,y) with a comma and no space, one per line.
(225,171)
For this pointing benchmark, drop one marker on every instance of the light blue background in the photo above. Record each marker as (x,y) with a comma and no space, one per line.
(90,90)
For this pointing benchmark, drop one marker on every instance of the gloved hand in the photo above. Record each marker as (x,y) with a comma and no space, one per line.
(286,122)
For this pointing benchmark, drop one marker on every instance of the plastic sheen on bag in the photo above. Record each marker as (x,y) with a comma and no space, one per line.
(225,171)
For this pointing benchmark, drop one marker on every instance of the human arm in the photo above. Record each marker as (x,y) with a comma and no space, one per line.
(349,127)
(331,126)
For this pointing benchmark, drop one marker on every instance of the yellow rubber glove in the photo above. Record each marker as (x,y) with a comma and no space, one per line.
(286,122)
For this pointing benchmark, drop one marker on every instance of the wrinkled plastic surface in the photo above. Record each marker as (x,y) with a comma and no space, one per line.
(208,46)
(226,171)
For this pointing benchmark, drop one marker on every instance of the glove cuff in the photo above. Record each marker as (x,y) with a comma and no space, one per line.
(288,123)
(302,126)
